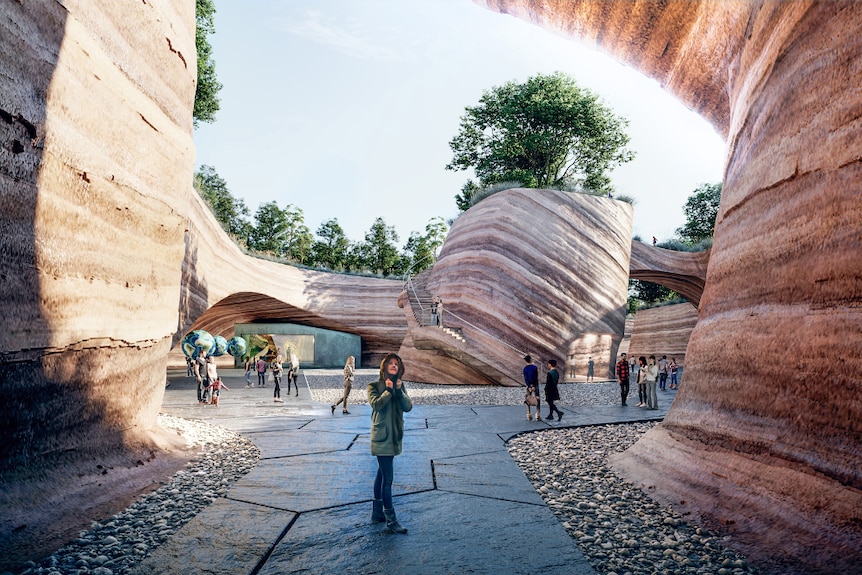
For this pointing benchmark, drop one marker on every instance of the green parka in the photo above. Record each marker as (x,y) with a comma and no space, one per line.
(387,413)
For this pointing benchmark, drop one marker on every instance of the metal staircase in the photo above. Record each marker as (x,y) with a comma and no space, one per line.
(456,339)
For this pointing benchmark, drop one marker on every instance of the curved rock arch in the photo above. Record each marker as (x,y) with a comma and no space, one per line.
(683,272)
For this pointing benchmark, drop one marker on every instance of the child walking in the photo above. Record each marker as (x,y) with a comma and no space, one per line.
(216,386)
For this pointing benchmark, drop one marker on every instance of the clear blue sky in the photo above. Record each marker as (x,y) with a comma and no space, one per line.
(345,109)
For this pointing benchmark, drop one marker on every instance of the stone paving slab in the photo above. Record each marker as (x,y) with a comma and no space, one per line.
(485,475)
(324,480)
(278,443)
(449,533)
(305,508)
(226,538)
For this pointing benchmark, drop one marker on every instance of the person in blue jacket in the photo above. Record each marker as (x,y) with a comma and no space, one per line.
(531,382)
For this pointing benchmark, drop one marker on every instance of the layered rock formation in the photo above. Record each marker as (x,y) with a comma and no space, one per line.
(94,234)
(683,272)
(535,271)
(109,255)
(221,286)
(764,439)
(663,330)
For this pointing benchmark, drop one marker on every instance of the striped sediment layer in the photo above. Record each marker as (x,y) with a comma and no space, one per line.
(530,271)
(764,438)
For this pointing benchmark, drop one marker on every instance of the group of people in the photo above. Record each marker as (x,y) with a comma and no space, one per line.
(552,391)
(276,366)
(649,373)
(206,375)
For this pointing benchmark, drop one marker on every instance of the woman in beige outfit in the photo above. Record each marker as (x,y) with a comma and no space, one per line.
(349,369)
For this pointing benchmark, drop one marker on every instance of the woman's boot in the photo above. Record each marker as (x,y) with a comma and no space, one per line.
(377,512)
(392,522)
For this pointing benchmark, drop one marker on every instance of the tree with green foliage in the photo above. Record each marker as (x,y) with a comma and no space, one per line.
(379,253)
(270,228)
(206,92)
(547,132)
(331,250)
(435,234)
(650,293)
(420,251)
(297,237)
(465,199)
(417,254)
(231,212)
(643,294)
(701,211)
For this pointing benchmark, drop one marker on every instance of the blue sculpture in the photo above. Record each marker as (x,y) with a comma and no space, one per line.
(197,341)
(220,346)
(236,346)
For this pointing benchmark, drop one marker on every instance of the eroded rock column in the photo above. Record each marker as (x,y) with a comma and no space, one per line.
(763,441)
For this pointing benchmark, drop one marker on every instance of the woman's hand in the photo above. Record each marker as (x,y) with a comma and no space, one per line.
(389,383)
(398,384)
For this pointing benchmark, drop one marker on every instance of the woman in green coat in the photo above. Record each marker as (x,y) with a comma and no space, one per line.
(389,400)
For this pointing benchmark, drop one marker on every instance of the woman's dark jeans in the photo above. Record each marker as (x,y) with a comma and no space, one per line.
(383,481)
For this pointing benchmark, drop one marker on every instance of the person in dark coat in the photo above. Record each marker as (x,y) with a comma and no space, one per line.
(552,392)
(389,400)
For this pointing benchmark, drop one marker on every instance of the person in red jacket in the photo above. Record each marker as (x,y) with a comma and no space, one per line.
(623,377)
(216,386)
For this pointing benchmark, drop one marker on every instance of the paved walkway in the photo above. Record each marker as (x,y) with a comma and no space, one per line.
(306,507)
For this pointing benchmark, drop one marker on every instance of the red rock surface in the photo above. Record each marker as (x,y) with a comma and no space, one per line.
(109,256)
(683,272)
(764,438)
(664,330)
(527,271)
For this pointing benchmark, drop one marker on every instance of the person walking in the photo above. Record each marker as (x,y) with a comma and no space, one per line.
(201,374)
(215,387)
(389,401)
(651,378)
(212,375)
(277,370)
(623,377)
(439,311)
(591,369)
(434,316)
(552,392)
(261,371)
(641,379)
(531,382)
(349,370)
(674,370)
(249,365)
(293,373)
(662,372)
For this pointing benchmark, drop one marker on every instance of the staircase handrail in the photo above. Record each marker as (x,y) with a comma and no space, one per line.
(410,288)
(413,289)
(520,352)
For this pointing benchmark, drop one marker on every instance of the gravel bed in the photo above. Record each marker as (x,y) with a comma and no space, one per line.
(114,546)
(619,529)
(327,387)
